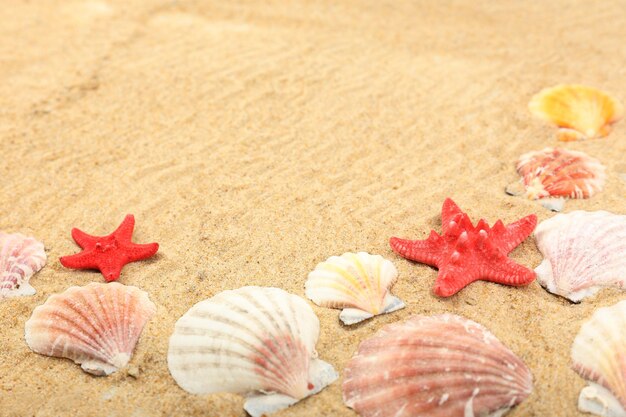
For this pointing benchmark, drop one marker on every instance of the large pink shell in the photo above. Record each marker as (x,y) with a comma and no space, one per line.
(434,366)
(560,173)
(20,258)
(97,325)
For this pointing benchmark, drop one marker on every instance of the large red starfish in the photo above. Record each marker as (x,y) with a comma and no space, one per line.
(108,254)
(465,253)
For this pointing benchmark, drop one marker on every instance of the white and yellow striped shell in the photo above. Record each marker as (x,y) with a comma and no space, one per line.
(599,356)
(358,283)
(256,341)
(20,258)
(580,112)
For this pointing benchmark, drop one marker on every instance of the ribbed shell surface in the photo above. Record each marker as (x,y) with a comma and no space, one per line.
(97,325)
(20,258)
(583,252)
(245,340)
(427,366)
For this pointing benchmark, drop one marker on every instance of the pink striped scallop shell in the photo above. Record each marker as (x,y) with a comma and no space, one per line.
(97,325)
(434,366)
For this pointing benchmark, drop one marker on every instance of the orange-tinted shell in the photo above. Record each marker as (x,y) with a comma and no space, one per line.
(554,172)
(581,112)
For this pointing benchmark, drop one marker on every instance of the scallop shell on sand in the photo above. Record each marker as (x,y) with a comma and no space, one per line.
(97,325)
(553,174)
(583,253)
(256,341)
(20,258)
(599,356)
(358,283)
(434,366)
(580,112)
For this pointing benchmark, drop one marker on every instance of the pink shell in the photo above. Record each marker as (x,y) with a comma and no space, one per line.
(96,326)
(560,173)
(445,366)
(20,258)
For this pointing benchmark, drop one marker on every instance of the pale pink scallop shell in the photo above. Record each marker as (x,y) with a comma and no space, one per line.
(20,258)
(97,325)
(427,366)
(584,251)
(554,172)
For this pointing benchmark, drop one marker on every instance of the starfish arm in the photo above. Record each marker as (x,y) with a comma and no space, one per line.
(506,271)
(111,270)
(452,278)
(515,233)
(424,251)
(82,239)
(124,232)
(82,260)
(448,212)
(137,252)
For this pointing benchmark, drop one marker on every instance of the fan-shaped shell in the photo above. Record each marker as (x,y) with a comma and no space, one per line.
(583,252)
(434,366)
(20,258)
(97,325)
(357,282)
(560,173)
(599,356)
(581,112)
(252,340)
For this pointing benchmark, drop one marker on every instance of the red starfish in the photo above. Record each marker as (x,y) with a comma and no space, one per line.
(108,254)
(466,253)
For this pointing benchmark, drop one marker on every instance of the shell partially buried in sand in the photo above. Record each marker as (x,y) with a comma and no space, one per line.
(97,325)
(580,112)
(20,258)
(583,253)
(256,341)
(552,175)
(427,366)
(359,283)
(599,356)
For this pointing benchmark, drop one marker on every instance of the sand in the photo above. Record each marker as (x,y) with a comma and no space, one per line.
(254,139)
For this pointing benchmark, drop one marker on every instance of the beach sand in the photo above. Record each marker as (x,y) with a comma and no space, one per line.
(254,139)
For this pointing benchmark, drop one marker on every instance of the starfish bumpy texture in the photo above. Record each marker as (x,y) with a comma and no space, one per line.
(465,253)
(108,254)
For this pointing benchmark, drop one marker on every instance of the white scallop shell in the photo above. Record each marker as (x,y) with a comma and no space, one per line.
(434,366)
(599,356)
(20,258)
(254,340)
(357,282)
(97,325)
(583,253)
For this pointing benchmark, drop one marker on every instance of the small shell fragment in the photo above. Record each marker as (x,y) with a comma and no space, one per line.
(358,283)
(20,258)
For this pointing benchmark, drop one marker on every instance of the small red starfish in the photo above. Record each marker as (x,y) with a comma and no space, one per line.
(465,253)
(108,254)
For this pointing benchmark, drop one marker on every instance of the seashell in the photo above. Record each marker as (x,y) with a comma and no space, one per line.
(581,112)
(429,366)
(20,258)
(583,252)
(255,341)
(599,356)
(357,282)
(97,325)
(554,174)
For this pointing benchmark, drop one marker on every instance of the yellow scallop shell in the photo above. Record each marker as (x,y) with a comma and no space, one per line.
(581,112)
